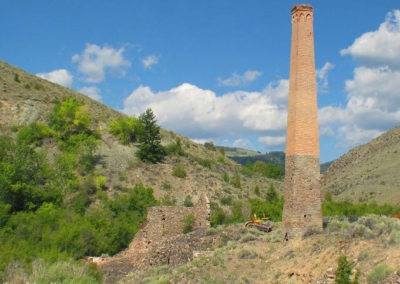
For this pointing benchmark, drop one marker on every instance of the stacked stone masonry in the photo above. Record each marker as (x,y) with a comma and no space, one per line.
(161,239)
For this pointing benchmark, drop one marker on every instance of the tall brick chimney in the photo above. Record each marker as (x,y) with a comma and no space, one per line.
(302,209)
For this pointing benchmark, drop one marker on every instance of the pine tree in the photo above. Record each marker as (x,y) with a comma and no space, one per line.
(149,137)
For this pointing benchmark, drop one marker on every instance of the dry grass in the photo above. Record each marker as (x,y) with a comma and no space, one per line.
(243,255)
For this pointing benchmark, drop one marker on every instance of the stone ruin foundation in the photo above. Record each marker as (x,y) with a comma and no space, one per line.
(160,241)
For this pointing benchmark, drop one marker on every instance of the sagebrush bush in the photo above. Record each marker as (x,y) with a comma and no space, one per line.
(383,228)
(188,201)
(179,171)
(247,254)
(248,238)
(379,273)
(175,149)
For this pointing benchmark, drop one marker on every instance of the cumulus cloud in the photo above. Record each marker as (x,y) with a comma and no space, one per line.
(373,106)
(322,76)
(271,141)
(149,61)
(92,92)
(200,114)
(380,47)
(353,135)
(236,79)
(60,76)
(373,103)
(95,61)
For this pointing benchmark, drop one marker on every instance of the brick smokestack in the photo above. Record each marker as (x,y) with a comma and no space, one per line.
(302,209)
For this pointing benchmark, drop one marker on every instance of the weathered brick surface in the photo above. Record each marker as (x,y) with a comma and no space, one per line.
(302,124)
(302,209)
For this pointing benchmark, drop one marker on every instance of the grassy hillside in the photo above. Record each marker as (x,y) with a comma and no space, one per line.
(369,172)
(70,188)
(59,158)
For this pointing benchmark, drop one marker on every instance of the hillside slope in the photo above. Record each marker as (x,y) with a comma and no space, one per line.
(25,98)
(369,172)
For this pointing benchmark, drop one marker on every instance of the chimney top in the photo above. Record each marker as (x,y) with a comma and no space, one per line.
(302,7)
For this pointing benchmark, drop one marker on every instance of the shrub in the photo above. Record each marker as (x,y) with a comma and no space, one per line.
(344,271)
(65,271)
(247,254)
(226,200)
(218,216)
(237,213)
(179,171)
(175,148)
(168,200)
(101,182)
(379,273)
(225,177)
(70,117)
(188,223)
(16,78)
(236,181)
(125,129)
(210,146)
(188,201)
(166,185)
(33,134)
(272,195)
(206,163)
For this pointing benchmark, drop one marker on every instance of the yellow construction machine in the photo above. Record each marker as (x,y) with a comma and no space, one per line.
(260,223)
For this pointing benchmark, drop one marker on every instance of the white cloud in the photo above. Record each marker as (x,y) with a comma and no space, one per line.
(353,135)
(198,113)
(60,76)
(236,79)
(373,106)
(380,47)
(272,141)
(373,101)
(92,92)
(95,61)
(149,61)
(322,76)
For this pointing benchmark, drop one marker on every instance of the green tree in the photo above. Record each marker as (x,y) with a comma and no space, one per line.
(70,117)
(272,195)
(149,137)
(344,270)
(24,177)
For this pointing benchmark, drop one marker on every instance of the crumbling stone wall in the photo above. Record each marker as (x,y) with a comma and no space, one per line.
(161,241)
(167,221)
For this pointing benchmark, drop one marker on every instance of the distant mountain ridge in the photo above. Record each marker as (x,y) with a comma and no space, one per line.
(243,156)
(271,157)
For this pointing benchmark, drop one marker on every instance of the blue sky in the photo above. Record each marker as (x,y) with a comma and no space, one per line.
(216,70)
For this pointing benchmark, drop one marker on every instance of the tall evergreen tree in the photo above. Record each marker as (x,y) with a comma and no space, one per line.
(149,137)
